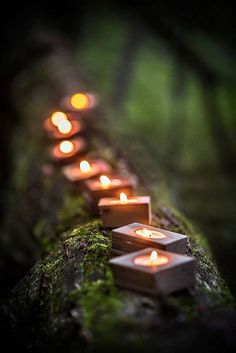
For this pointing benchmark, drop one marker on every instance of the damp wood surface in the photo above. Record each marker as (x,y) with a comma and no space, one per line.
(68,298)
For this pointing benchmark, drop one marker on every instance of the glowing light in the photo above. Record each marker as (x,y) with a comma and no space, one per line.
(79,101)
(152,260)
(147,233)
(85,167)
(105,181)
(57,117)
(66,146)
(64,126)
(154,257)
(123,197)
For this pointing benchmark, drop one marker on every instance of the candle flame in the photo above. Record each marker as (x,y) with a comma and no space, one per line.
(79,101)
(57,117)
(85,166)
(105,181)
(123,197)
(154,256)
(64,126)
(147,232)
(66,146)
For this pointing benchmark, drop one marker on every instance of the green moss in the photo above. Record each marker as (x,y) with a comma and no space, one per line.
(100,303)
(72,211)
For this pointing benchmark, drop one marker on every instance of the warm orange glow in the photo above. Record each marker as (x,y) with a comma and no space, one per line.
(85,167)
(66,146)
(154,257)
(123,197)
(152,260)
(57,117)
(79,101)
(147,233)
(105,181)
(64,126)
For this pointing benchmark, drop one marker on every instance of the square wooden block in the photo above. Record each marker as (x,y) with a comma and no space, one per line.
(178,273)
(116,214)
(137,236)
(94,191)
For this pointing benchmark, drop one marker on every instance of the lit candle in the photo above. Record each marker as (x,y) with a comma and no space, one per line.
(147,233)
(152,259)
(64,127)
(153,272)
(117,212)
(137,236)
(105,186)
(51,123)
(67,149)
(58,117)
(106,182)
(80,101)
(85,167)
(84,170)
(123,200)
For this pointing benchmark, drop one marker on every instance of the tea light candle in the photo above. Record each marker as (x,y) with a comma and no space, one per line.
(66,150)
(154,272)
(137,236)
(66,129)
(105,186)
(152,259)
(116,212)
(51,123)
(79,101)
(84,170)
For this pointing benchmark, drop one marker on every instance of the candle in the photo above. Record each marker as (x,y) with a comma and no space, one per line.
(66,147)
(137,236)
(117,212)
(147,233)
(66,150)
(64,127)
(83,170)
(51,123)
(57,117)
(80,101)
(152,259)
(105,186)
(154,272)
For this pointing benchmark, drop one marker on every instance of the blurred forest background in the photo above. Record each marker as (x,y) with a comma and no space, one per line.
(167,76)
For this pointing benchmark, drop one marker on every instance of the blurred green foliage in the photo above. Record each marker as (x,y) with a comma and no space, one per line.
(169,119)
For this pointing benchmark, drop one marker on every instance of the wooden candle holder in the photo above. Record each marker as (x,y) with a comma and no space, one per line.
(173,276)
(94,191)
(65,158)
(98,167)
(125,239)
(115,214)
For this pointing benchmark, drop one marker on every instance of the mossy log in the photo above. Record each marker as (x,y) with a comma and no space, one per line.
(68,301)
